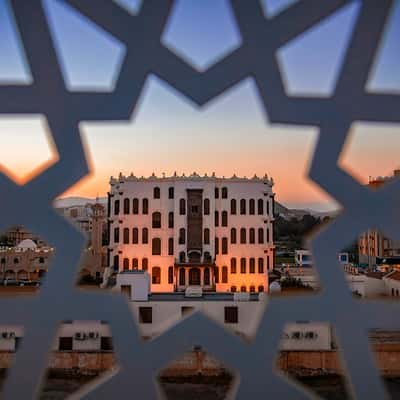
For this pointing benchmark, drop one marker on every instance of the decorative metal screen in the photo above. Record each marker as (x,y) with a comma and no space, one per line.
(31,204)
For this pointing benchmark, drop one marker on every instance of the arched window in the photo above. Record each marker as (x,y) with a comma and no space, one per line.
(233,236)
(182,236)
(233,265)
(267,203)
(156,275)
(207,276)
(224,245)
(252,289)
(260,207)
(261,288)
(243,289)
(126,236)
(145,264)
(182,278)
(216,193)
(171,246)
(252,236)
(268,235)
(392,292)
(243,207)
(207,257)
(216,274)
(116,235)
(171,192)
(16,260)
(224,192)
(206,206)
(268,263)
(252,207)
(126,264)
(182,257)
(145,236)
(116,263)
(145,206)
(135,205)
(242,265)
(243,236)
(156,193)
(216,218)
(233,206)
(216,245)
(156,220)
(224,274)
(260,265)
(182,206)
(126,206)
(233,289)
(170,219)
(156,246)
(260,235)
(116,207)
(135,235)
(135,263)
(252,266)
(206,236)
(170,273)
(224,218)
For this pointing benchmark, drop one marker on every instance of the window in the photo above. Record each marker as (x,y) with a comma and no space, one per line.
(126,235)
(252,289)
(156,193)
(233,289)
(233,236)
(145,264)
(206,236)
(242,265)
(41,260)
(116,207)
(126,206)
(182,257)
(170,220)
(135,263)
(224,218)
(170,273)
(216,193)
(156,246)
(145,206)
(216,218)
(224,245)
(216,274)
(171,246)
(242,206)
(207,257)
(135,206)
(126,264)
(65,343)
(261,288)
(224,193)
(231,315)
(145,315)
(233,265)
(233,206)
(260,207)
(145,236)
(243,236)
(243,289)
(182,278)
(260,265)
(252,266)
(106,343)
(207,276)
(171,193)
(252,236)
(182,207)
(116,263)
(224,274)
(216,245)
(156,220)
(252,207)
(116,235)
(267,235)
(156,275)
(260,235)
(206,206)
(182,236)
(267,202)
(135,235)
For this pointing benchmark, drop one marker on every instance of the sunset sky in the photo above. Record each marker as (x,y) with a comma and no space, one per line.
(232,133)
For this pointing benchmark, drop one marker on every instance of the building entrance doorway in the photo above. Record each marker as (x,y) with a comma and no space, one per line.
(194,276)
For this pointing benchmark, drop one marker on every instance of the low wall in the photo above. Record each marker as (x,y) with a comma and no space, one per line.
(301,363)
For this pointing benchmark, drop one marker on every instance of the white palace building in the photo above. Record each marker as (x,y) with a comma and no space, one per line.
(199,231)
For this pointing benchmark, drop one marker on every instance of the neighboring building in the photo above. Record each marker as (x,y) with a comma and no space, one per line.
(212,232)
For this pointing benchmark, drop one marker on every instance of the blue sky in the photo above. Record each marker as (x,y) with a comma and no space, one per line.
(167,125)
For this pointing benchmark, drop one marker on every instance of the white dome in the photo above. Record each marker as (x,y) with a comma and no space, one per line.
(27,244)
(274,287)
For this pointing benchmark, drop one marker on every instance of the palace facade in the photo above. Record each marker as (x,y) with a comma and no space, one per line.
(216,233)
